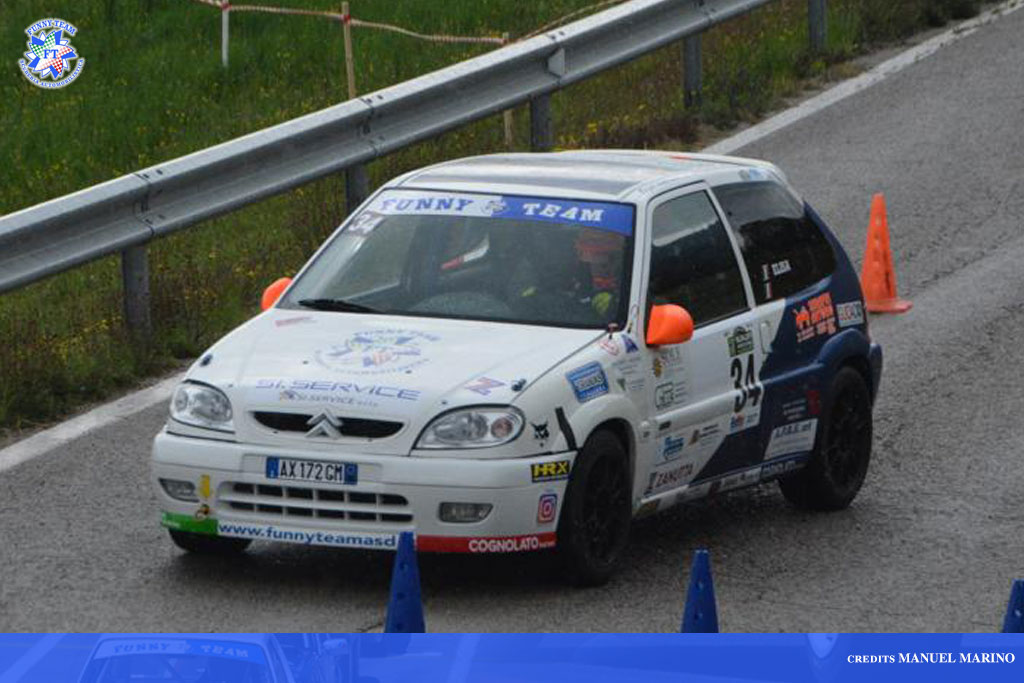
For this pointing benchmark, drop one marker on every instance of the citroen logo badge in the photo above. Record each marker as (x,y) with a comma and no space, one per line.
(325,424)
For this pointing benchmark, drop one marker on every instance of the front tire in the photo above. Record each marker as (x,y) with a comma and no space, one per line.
(837,468)
(594,527)
(203,544)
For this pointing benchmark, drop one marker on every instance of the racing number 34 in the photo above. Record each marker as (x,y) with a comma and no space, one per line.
(745,382)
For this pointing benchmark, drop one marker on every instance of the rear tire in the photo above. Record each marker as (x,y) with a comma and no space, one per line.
(202,544)
(593,530)
(839,463)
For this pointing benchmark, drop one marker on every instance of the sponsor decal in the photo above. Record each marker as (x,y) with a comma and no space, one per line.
(740,479)
(202,512)
(741,421)
(377,352)
(850,313)
(629,344)
(609,346)
(777,468)
(664,395)
(271,532)
(223,649)
(550,471)
(484,385)
(51,61)
(702,434)
(540,431)
(180,522)
(815,318)
(588,382)
(668,479)
(547,507)
(494,544)
(204,486)
(672,448)
(607,216)
(631,369)
(331,391)
(285,322)
(364,223)
(657,367)
(794,410)
(741,341)
(796,437)
(781,267)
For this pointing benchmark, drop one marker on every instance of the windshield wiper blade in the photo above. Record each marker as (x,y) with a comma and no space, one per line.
(336,305)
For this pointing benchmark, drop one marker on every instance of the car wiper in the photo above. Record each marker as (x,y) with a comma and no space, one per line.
(336,305)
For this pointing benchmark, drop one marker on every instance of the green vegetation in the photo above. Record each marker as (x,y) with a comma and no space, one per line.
(153,89)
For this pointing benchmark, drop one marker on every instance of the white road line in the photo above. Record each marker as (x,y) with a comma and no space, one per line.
(30,658)
(55,437)
(131,404)
(865,80)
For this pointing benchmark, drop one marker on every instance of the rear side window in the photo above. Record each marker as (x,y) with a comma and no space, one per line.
(783,249)
(692,261)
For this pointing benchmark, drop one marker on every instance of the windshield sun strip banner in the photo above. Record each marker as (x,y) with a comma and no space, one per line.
(608,216)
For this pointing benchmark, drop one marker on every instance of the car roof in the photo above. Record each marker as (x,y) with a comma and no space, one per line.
(592,174)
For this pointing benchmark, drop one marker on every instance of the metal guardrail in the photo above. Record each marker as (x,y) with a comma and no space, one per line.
(123,214)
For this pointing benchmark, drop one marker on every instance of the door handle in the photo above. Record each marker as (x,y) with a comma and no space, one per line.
(767,335)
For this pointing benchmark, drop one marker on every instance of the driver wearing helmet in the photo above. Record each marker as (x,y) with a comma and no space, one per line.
(601,251)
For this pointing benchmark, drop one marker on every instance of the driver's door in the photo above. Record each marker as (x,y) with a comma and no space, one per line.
(698,395)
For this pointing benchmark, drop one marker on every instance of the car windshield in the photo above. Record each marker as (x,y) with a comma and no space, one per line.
(532,260)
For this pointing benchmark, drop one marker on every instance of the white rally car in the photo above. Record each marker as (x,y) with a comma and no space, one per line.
(514,352)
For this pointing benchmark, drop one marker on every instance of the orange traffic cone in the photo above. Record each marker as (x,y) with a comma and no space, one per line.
(877,277)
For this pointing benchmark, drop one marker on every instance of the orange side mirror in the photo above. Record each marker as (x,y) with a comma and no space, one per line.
(669,324)
(272,293)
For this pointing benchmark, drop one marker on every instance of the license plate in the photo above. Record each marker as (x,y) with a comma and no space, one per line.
(312,470)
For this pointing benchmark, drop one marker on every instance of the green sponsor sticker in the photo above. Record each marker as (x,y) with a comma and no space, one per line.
(173,520)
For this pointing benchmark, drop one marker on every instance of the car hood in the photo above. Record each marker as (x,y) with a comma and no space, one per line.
(375,367)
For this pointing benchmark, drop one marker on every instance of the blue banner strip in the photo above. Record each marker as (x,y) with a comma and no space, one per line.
(554,658)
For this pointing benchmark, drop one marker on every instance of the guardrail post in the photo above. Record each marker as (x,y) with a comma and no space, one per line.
(542,134)
(817,21)
(357,187)
(135,276)
(692,69)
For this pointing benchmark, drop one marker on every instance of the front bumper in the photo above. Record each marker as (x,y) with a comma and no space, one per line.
(393,494)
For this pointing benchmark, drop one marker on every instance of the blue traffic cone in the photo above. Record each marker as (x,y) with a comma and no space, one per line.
(405,606)
(1014,620)
(700,614)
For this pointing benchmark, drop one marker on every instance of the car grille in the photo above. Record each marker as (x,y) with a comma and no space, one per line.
(350,426)
(307,502)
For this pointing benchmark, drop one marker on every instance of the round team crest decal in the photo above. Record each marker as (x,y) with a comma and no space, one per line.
(377,352)
(51,61)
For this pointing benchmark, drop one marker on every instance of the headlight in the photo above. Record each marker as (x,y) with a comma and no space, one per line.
(201,405)
(473,428)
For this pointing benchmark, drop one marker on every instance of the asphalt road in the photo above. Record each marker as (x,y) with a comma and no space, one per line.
(932,543)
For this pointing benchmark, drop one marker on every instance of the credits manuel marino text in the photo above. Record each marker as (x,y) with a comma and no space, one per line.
(935,658)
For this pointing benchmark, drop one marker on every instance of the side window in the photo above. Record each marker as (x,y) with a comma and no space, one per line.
(692,260)
(783,249)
